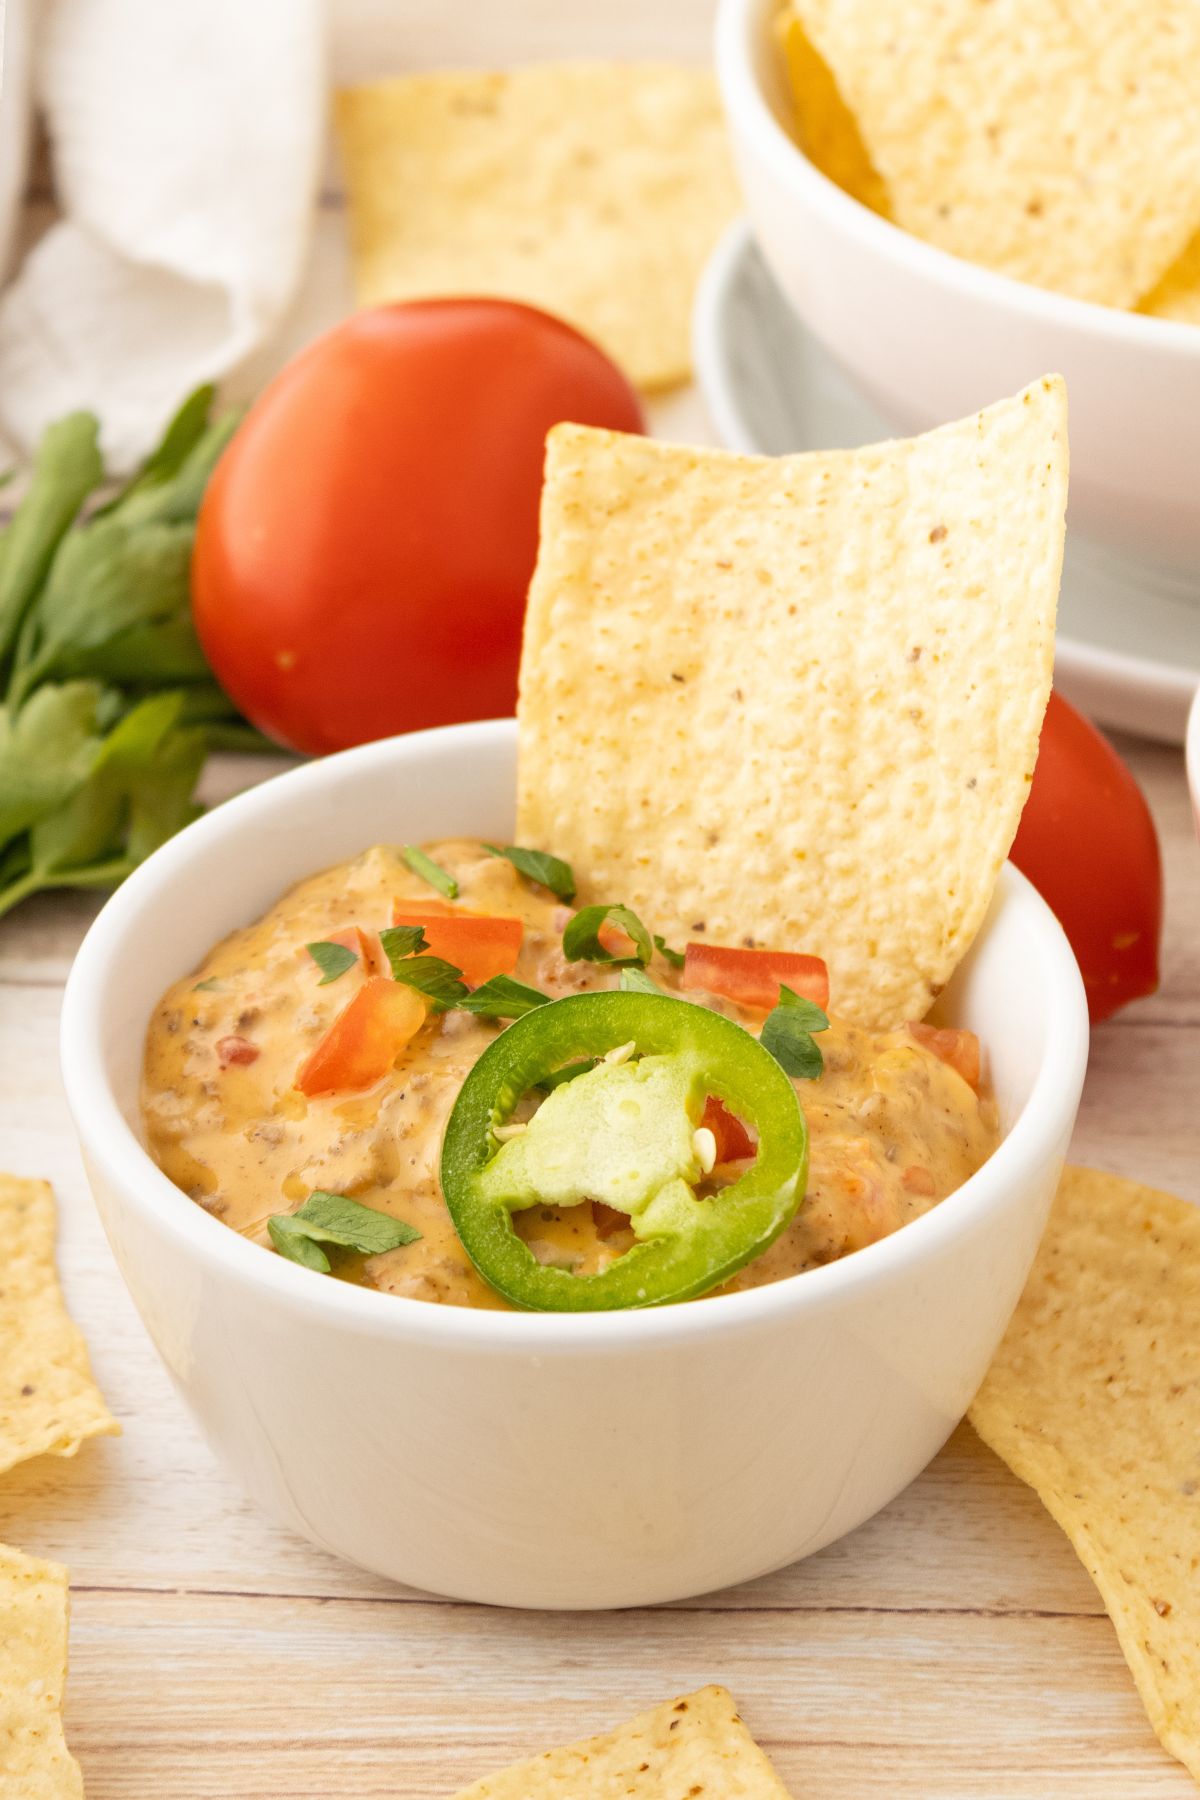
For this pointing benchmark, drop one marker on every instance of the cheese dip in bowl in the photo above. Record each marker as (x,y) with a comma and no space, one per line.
(589,1460)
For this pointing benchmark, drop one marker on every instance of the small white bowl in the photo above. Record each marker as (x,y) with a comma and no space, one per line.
(929,337)
(536,1460)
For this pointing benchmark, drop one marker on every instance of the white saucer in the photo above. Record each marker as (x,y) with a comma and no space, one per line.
(1129,638)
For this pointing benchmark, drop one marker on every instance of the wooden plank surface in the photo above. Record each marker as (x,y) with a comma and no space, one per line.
(952,1647)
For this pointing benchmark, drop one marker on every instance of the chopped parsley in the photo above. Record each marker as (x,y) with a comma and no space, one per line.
(787,1034)
(538,865)
(581,939)
(334,1219)
(332,959)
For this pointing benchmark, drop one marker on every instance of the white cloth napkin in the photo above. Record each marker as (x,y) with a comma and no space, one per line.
(187,138)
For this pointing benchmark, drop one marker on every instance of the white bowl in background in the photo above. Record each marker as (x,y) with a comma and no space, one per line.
(929,337)
(534,1460)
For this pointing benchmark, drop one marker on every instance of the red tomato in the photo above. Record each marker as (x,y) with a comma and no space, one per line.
(365,1039)
(753,977)
(365,543)
(1088,844)
(734,1142)
(478,944)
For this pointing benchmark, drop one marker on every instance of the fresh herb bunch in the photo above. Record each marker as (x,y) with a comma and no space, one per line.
(109,705)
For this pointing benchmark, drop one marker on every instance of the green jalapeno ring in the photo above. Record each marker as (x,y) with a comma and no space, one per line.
(723,1233)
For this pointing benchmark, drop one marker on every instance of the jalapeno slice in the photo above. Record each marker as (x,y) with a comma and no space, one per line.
(622,1133)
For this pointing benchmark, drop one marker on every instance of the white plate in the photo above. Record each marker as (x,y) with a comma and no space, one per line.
(1129,639)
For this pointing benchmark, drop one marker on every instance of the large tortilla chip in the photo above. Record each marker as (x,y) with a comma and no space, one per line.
(35,1763)
(795,701)
(1177,295)
(49,1402)
(593,190)
(697,1745)
(1094,1400)
(1058,143)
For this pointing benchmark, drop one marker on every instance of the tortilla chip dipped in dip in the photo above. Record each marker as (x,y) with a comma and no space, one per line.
(693,1746)
(777,724)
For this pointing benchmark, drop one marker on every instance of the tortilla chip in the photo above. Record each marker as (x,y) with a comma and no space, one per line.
(795,701)
(1094,1400)
(592,190)
(825,127)
(697,1745)
(48,1401)
(34,1760)
(1055,143)
(1177,295)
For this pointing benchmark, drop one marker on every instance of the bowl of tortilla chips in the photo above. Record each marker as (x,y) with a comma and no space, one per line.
(957,198)
(805,694)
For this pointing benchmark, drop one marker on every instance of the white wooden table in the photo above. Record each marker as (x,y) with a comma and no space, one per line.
(951,1647)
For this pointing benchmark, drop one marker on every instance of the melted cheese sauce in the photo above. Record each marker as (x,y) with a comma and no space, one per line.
(892,1129)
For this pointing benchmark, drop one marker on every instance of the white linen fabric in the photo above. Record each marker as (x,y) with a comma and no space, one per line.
(187,139)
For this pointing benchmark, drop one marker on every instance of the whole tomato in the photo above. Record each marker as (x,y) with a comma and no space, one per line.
(1088,844)
(365,544)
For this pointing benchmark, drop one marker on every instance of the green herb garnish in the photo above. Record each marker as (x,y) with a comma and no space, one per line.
(440,982)
(332,960)
(429,871)
(207,987)
(581,939)
(787,1034)
(676,958)
(503,998)
(400,941)
(636,981)
(538,865)
(334,1219)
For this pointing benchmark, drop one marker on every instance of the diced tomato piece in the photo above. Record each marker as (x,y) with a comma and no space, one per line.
(365,945)
(734,1142)
(365,1039)
(238,1051)
(614,940)
(951,1045)
(480,944)
(754,977)
(916,1179)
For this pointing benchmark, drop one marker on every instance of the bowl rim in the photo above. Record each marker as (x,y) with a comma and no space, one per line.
(1192,754)
(736,32)
(147,1195)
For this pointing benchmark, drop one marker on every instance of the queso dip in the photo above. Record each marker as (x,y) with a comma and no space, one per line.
(893,1126)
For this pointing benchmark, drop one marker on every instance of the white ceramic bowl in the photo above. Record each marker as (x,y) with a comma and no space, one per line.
(531,1460)
(929,337)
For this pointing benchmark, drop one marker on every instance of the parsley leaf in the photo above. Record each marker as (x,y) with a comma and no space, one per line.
(429,871)
(676,958)
(581,939)
(787,1034)
(636,981)
(332,960)
(538,865)
(66,468)
(334,1219)
(503,998)
(440,982)
(400,941)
